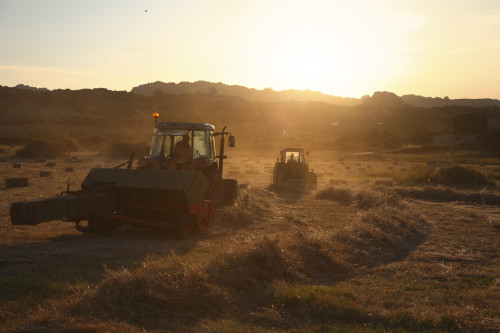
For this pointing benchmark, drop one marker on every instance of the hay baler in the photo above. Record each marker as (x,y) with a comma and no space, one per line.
(164,191)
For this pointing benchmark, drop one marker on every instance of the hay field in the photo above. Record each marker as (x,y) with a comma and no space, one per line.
(347,255)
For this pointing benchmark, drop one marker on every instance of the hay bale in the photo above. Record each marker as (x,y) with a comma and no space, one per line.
(3,160)
(383,182)
(45,173)
(50,164)
(338,181)
(431,165)
(402,169)
(40,160)
(395,163)
(358,164)
(362,169)
(348,168)
(390,168)
(17,165)
(69,169)
(16,182)
(252,172)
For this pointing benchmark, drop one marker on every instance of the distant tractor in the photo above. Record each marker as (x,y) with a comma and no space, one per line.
(178,186)
(292,165)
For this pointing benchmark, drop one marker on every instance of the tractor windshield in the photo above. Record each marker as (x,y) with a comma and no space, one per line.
(161,140)
(165,140)
(201,144)
(296,156)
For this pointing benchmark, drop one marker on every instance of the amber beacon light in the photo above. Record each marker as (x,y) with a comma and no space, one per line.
(156,115)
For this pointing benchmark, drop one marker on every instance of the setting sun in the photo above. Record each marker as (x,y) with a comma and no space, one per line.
(337,47)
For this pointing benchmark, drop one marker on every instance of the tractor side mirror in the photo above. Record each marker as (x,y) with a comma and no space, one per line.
(231,141)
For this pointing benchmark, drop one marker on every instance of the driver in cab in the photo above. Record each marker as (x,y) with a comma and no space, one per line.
(183,151)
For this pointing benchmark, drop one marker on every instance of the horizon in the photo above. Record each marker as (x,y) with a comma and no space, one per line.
(304,90)
(335,48)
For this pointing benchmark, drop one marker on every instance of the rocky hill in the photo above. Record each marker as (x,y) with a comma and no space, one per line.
(250,94)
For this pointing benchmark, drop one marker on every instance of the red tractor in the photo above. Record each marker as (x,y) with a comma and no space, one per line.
(178,186)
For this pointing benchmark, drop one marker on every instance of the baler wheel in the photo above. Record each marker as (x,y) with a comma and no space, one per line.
(183,227)
(97,226)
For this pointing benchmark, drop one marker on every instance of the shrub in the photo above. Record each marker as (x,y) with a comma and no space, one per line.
(124,149)
(43,148)
(91,142)
(458,175)
(449,176)
(16,140)
(68,143)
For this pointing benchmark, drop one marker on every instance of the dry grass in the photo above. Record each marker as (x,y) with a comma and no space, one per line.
(286,258)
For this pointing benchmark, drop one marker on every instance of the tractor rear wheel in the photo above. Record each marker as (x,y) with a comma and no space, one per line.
(214,192)
(229,192)
(312,178)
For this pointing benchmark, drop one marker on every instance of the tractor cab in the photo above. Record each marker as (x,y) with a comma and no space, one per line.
(184,146)
(293,154)
(292,165)
(167,136)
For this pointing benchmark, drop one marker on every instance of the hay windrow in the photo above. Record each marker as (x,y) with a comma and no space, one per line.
(171,291)
(362,198)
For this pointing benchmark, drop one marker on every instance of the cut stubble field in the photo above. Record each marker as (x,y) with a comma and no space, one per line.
(345,255)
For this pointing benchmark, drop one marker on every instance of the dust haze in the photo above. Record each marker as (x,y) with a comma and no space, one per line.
(401,231)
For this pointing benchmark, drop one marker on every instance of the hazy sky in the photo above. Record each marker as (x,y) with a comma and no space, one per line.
(344,48)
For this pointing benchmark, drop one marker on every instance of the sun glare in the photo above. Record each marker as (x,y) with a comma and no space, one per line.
(330,51)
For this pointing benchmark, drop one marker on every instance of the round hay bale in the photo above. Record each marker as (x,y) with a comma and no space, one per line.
(45,173)
(16,182)
(17,165)
(40,160)
(50,164)
(69,169)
